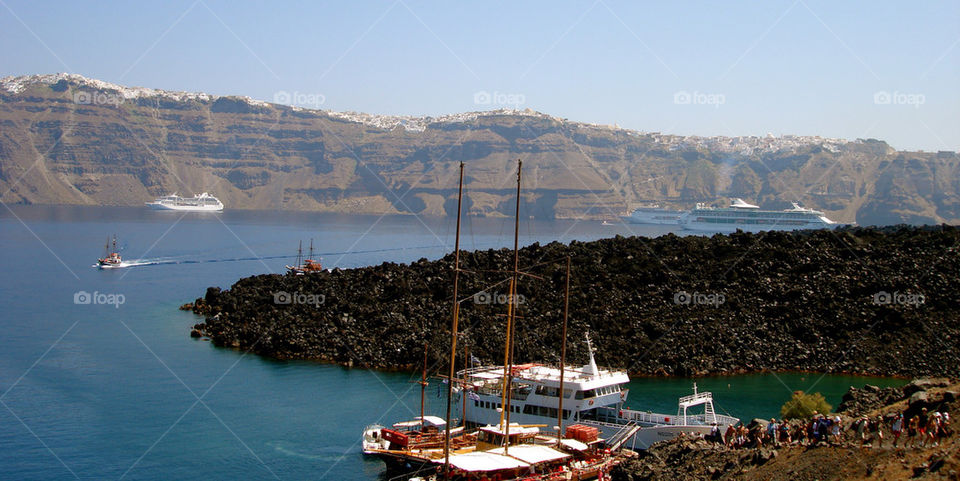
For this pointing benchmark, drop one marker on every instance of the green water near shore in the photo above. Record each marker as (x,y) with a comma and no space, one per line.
(747,396)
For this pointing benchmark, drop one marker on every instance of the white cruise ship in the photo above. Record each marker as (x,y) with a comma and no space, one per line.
(654,214)
(592,397)
(199,203)
(751,218)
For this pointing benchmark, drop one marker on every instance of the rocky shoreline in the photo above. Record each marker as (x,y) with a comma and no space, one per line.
(697,459)
(878,301)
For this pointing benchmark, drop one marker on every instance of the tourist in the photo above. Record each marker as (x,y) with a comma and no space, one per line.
(897,428)
(863,430)
(933,428)
(772,429)
(878,427)
(922,421)
(836,428)
(731,436)
(912,430)
(784,433)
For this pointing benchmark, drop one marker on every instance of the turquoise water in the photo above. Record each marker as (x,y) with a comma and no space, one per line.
(97,391)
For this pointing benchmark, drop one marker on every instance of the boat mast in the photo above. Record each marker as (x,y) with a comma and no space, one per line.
(423,382)
(299,253)
(311,249)
(563,353)
(453,329)
(511,321)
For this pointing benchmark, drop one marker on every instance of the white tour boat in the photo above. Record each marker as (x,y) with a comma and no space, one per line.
(592,396)
(199,203)
(751,218)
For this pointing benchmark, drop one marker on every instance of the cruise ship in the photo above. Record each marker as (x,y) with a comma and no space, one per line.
(592,396)
(199,203)
(654,214)
(751,218)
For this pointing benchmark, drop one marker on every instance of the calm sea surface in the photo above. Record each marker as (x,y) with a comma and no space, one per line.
(111,390)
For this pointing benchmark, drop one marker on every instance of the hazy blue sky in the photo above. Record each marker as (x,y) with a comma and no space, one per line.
(887,70)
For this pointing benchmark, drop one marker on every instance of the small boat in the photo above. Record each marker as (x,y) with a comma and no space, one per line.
(199,203)
(111,258)
(305,266)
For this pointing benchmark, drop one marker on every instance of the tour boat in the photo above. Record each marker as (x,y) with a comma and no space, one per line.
(751,218)
(305,266)
(591,397)
(111,258)
(500,449)
(199,203)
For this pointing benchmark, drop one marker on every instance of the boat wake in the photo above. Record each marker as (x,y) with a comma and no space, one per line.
(159,261)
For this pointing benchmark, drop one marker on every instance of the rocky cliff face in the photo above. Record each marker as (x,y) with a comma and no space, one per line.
(68,139)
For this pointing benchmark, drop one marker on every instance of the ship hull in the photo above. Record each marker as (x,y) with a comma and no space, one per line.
(185,208)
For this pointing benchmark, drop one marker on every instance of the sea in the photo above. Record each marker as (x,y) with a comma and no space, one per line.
(99,378)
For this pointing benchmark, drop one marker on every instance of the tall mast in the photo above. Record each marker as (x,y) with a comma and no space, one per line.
(453,329)
(511,319)
(299,253)
(311,248)
(563,352)
(423,382)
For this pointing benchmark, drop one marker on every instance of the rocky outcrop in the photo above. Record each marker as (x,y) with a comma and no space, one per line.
(696,459)
(873,301)
(66,139)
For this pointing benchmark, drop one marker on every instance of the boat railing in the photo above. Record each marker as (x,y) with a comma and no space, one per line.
(572,374)
(644,417)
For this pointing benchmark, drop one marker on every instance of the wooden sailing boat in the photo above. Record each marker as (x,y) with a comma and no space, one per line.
(111,258)
(308,265)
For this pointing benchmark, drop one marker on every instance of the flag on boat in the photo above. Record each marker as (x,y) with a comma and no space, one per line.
(473,396)
(474,360)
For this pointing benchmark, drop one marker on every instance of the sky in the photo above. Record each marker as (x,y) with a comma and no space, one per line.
(883,70)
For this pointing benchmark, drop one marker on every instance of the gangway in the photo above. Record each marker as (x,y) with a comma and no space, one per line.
(622,436)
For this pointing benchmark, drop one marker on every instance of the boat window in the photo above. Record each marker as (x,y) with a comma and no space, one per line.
(548,391)
(567,393)
(528,409)
(589,393)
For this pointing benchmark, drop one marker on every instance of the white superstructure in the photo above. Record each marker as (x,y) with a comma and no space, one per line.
(592,396)
(654,214)
(751,218)
(200,203)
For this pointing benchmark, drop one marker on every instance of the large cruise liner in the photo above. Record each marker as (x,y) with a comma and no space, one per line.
(751,218)
(654,214)
(592,396)
(200,203)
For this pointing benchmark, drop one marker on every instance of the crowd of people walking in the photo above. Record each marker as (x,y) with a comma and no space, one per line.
(916,431)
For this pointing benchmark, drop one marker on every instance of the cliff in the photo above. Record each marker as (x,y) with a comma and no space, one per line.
(66,139)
